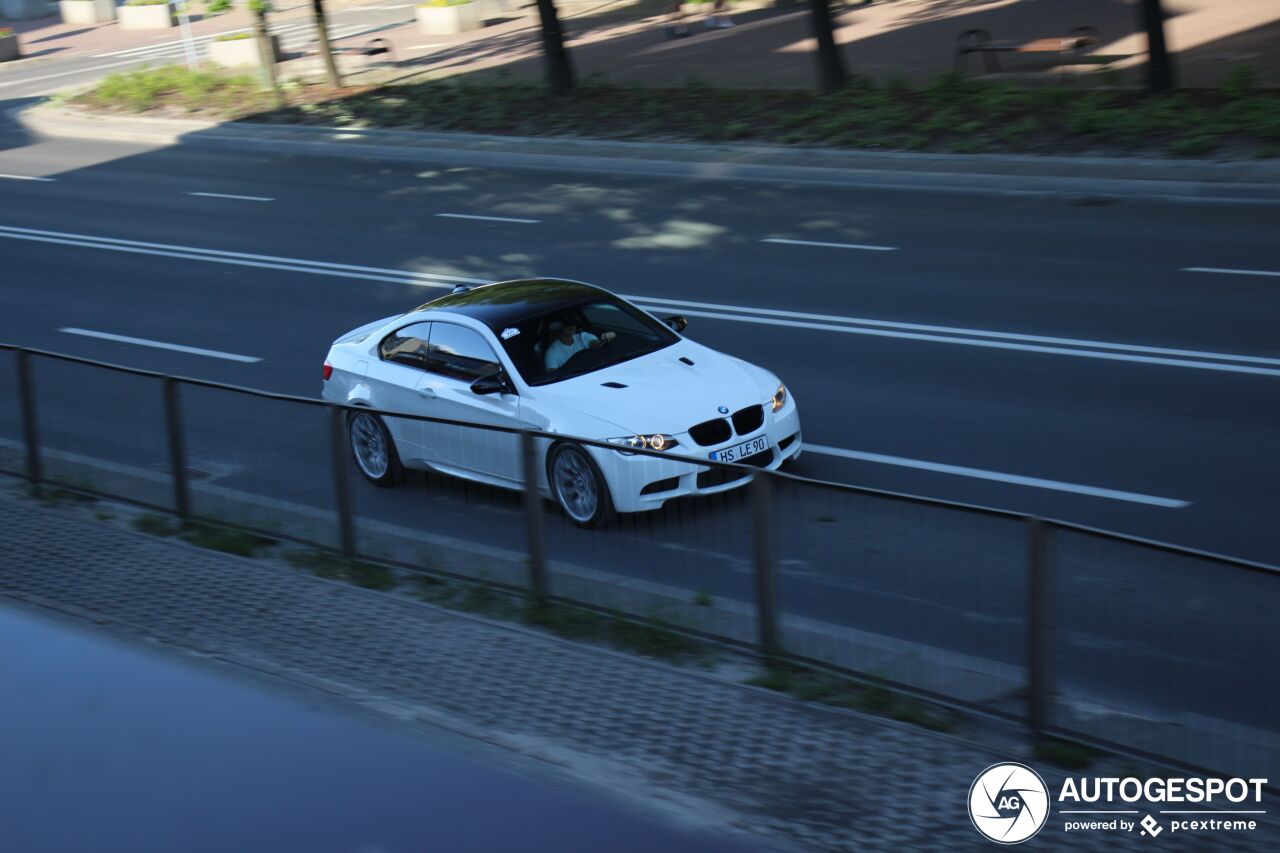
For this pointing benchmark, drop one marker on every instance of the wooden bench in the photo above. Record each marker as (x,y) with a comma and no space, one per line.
(1068,47)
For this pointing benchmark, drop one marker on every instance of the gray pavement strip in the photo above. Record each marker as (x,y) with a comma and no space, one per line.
(1243,182)
(738,758)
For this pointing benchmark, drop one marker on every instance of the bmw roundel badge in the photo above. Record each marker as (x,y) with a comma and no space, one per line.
(724,410)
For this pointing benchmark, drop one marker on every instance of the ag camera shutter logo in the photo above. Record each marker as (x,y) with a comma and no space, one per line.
(1008,803)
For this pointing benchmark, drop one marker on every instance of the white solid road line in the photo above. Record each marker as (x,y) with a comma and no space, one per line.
(988,344)
(26,178)
(864,247)
(419,279)
(1231,272)
(1013,479)
(488,218)
(959,330)
(143,342)
(1073,347)
(236,197)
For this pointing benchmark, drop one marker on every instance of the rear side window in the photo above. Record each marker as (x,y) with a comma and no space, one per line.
(407,346)
(460,353)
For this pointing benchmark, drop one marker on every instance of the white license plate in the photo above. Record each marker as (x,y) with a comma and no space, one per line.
(741,451)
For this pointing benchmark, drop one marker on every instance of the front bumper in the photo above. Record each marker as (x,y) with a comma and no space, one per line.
(641,483)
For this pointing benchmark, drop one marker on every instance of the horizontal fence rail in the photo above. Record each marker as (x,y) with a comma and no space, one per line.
(1082,634)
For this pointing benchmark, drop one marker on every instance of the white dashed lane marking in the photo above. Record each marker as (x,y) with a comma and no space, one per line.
(235,197)
(143,342)
(488,218)
(865,247)
(1224,271)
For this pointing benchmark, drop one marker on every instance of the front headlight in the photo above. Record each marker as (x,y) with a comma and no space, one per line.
(656,441)
(779,398)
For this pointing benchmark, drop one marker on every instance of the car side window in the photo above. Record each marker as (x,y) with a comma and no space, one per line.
(407,346)
(460,353)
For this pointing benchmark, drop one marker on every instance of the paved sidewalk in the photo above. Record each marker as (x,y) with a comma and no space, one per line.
(771,47)
(712,752)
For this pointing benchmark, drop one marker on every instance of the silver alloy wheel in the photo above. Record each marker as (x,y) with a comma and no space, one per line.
(369,445)
(575,484)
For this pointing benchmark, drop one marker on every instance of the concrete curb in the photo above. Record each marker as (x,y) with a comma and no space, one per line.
(1235,182)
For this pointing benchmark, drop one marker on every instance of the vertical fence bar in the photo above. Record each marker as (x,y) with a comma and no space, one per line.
(1039,627)
(341,483)
(533,520)
(30,433)
(765,552)
(177,449)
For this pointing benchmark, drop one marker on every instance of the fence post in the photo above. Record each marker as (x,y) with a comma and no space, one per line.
(765,564)
(177,449)
(341,484)
(30,435)
(1039,627)
(533,520)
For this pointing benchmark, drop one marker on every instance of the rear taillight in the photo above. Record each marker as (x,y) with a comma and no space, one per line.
(328,371)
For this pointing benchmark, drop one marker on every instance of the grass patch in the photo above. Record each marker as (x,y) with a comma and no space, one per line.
(950,113)
(828,689)
(156,525)
(55,497)
(225,539)
(1072,756)
(649,640)
(702,598)
(177,89)
(327,564)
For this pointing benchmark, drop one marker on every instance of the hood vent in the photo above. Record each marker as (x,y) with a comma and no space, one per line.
(612,385)
(687,360)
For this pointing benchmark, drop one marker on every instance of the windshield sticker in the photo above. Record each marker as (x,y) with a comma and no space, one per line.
(508,334)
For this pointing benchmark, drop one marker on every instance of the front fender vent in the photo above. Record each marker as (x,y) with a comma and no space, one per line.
(612,385)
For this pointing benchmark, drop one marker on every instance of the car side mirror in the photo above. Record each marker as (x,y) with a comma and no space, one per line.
(676,322)
(494,383)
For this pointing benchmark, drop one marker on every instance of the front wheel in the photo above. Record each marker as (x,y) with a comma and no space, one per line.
(373,449)
(579,487)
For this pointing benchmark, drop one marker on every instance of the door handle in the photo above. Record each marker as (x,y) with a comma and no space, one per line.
(429,393)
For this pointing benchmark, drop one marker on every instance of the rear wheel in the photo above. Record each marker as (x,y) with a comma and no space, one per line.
(373,449)
(579,487)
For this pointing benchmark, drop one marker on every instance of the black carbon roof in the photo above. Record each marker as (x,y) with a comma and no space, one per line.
(506,303)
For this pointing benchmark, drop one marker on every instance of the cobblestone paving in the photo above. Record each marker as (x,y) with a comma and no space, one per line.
(779,769)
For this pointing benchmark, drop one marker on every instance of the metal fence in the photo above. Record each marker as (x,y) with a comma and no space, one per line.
(1085,635)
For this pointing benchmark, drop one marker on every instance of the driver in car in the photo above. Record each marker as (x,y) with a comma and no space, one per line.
(569,340)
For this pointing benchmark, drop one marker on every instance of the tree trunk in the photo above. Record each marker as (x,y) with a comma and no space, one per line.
(322,43)
(559,68)
(831,72)
(1159,66)
(266,55)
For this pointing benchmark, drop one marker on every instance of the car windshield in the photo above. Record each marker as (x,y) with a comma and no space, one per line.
(581,338)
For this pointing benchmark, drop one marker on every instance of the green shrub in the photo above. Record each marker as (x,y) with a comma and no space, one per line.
(172,85)
(1240,81)
(215,7)
(147,3)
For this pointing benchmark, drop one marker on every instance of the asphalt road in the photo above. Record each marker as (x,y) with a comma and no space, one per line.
(1030,355)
